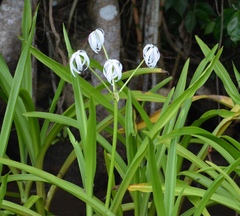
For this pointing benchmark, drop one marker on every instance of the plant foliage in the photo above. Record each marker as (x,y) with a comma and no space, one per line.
(156,146)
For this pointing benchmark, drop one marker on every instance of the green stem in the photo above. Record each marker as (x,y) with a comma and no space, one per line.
(105,52)
(129,78)
(114,145)
(100,79)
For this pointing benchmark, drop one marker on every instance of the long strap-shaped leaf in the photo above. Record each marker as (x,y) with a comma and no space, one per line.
(223,75)
(13,96)
(164,118)
(65,185)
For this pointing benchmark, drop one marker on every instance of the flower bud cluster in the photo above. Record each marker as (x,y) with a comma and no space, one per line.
(112,69)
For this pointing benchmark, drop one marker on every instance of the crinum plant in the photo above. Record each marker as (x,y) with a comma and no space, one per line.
(112,70)
(156,146)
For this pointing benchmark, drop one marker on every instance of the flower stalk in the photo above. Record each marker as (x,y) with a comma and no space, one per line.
(151,56)
(114,147)
(130,77)
(112,70)
(105,52)
(101,80)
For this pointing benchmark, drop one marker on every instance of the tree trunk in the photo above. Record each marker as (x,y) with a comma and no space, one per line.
(151,37)
(105,15)
(10,29)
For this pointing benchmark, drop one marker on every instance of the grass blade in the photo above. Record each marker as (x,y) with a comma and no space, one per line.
(90,152)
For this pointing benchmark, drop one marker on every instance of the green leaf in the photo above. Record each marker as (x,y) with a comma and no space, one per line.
(90,152)
(191,191)
(63,184)
(228,13)
(67,42)
(223,147)
(237,75)
(171,172)
(34,129)
(234,142)
(80,158)
(3,188)
(143,187)
(64,72)
(144,96)
(60,70)
(156,181)
(131,144)
(21,177)
(21,123)
(233,27)
(45,126)
(235,190)
(201,15)
(31,201)
(18,209)
(130,130)
(26,27)
(61,119)
(169,4)
(205,181)
(26,19)
(195,201)
(209,28)
(206,8)
(171,110)
(211,190)
(178,202)
(80,109)
(179,89)
(93,63)
(190,21)
(235,4)
(180,6)
(141,71)
(108,147)
(13,96)
(222,74)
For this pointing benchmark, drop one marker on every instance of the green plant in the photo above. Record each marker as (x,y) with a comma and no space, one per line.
(155,148)
(212,19)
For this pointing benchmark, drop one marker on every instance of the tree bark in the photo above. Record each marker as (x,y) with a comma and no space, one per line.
(105,15)
(151,37)
(10,28)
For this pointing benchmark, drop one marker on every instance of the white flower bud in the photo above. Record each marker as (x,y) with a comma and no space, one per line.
(77,62)
(96,40)
(112,70)
(151,55)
